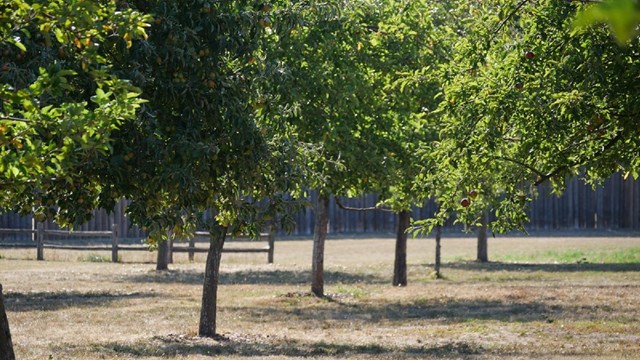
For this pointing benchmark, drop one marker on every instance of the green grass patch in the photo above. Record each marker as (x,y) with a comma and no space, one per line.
(94,258)
(353,291)
(573,256)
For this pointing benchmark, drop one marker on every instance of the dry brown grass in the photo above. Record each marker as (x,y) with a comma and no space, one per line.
(70,309)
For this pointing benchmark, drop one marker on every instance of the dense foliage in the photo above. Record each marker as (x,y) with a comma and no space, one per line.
(527,100)
(60,103)
(196,143)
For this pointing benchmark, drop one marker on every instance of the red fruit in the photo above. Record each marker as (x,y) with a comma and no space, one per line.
(465,202)
(519,85)
(473,194)
(529,55)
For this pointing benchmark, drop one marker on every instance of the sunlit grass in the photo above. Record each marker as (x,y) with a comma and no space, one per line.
(538,304)
(572,256)
(94,258)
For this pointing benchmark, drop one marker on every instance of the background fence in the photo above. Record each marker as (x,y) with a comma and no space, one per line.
(614,205)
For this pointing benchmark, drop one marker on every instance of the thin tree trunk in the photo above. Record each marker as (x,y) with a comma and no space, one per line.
(483,252)
(210,287)
(400,264)
(6,346)
(162,262)
(319,237)
(170,250)
(437,262)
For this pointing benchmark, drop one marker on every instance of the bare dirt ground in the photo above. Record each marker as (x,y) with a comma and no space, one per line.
(69,308)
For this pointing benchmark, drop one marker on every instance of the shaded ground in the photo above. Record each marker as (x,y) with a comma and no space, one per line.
(82,310)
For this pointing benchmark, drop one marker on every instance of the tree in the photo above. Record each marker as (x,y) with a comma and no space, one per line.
(61,102)
(198,155)
(324,92)
(527,100)
(407,51)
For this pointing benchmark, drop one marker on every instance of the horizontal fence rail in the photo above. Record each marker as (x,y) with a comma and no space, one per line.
(40,235)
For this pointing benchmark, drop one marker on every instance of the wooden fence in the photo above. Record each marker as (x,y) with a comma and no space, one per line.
(40,236)
(614,205)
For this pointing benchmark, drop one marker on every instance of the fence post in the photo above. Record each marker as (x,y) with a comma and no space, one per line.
(272,241)
(114,243)
(40,241)
(192,245)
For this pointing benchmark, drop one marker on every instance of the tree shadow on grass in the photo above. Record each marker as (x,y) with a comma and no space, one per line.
(254,277)
(444,310)
(172,346)
(50,301)
(526,267)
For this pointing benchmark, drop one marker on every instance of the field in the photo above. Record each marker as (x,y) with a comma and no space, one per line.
(570,298)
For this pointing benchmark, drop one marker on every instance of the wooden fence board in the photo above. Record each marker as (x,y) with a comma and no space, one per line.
(614,205)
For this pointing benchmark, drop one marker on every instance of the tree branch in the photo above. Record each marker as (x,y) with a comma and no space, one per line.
(11,118)
(518,162)
(504,21)
(561,168)
(374,208)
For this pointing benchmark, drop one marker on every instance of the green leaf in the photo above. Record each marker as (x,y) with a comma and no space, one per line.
(622,16)
(59,35)
(19,45)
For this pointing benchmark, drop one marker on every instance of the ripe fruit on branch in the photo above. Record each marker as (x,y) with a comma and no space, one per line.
(519,85)
(473,194)
(465,202)
(529,55)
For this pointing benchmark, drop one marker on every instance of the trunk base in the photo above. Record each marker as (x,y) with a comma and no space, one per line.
(207,327)
(6,345)
(400,263)
(319,237)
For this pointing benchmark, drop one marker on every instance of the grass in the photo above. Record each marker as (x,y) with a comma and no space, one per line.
(608,256)
(537,301)
(94,258)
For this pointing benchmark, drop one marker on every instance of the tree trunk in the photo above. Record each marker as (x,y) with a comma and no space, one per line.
(400,264)
(437,262)
(162,263)
(6,346)
(210,287)
(319,237)
(483,252)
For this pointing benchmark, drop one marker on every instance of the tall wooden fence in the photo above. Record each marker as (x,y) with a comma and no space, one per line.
(101,221)
(614,205)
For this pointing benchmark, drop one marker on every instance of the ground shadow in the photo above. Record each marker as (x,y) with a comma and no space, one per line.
(170,346)
(526,267)
(254,277)
(445,310)
(50,301)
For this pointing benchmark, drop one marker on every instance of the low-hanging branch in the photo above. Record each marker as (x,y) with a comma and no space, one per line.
(372,208)
(565,167)
(15,119)
(522,164)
